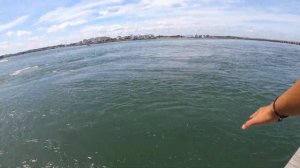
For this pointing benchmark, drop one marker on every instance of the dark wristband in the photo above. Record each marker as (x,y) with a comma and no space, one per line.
(281,117)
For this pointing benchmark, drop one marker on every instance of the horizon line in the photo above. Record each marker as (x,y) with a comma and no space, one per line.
(131,37)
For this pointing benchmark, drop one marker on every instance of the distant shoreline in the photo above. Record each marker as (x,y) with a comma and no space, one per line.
(99,40)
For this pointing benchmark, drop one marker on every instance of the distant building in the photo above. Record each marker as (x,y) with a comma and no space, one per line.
(93,40)
(120,38)
(85,42)
(127,37)
(149,36)
(102,39)
(189,36)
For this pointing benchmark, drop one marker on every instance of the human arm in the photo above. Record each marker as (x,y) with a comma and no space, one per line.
(288,104)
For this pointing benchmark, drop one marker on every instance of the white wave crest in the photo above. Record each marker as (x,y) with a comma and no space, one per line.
(5,60)
(18,72)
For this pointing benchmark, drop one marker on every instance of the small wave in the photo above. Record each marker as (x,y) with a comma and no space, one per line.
(31,140)
(1,152)
(5,60)
(17,72)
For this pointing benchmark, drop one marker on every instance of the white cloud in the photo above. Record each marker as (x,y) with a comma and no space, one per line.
(80,11)
(162,8)
(37,38)
(4,45)
(62,26)
(218,22)
(91,10)
(166,17)
(22,33)
(18,33)
(10,33)
(40,29)
(13,23)
(164,3)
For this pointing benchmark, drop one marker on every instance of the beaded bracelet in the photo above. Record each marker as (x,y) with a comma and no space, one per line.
(281,117)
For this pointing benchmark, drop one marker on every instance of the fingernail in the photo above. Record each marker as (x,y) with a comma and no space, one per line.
(243,126)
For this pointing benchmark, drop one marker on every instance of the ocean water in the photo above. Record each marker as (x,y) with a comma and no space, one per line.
(155,103)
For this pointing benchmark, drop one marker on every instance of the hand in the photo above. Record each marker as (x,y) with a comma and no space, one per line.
(262,116)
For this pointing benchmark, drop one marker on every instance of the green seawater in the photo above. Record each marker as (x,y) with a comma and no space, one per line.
(155,103)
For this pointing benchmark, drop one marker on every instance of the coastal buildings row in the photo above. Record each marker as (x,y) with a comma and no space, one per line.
(98,40)
(105,39)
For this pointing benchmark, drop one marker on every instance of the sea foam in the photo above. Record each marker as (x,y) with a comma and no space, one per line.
(5,60)
(20,71)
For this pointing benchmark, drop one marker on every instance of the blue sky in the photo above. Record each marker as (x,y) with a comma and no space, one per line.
(27,24)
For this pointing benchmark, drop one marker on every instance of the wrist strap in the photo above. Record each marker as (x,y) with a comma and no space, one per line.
(281,117)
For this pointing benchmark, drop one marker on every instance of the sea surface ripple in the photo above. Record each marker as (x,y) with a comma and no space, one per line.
(155,103)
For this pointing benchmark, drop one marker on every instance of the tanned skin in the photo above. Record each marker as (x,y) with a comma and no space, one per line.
(288,104)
